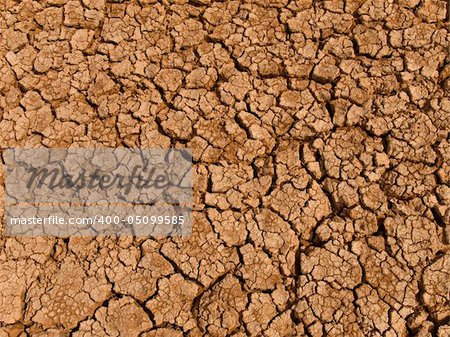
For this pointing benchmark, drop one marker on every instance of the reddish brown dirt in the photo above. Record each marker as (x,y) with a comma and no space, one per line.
(320,134)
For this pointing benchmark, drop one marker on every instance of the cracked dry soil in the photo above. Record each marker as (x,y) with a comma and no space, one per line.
(320,134)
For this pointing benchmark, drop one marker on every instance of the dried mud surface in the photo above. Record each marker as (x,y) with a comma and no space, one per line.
(320,135)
